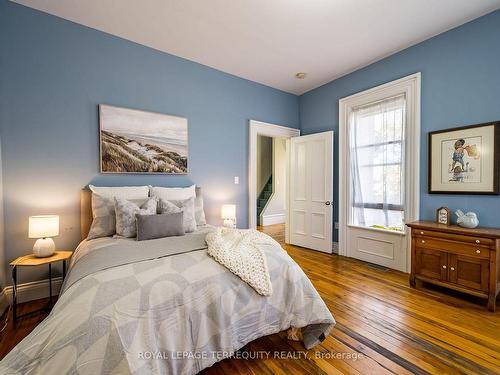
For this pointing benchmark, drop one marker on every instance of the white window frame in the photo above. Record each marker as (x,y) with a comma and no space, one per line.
(410,86)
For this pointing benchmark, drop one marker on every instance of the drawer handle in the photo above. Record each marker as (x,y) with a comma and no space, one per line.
(478,251)
(452,268)
(421,232)
(423,241)
(444,267)
(477,241)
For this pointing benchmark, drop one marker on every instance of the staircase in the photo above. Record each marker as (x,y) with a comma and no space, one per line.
(264,197)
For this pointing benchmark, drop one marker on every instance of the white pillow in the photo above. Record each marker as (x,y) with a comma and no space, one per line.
(124,192)
(186,206)
(125,215)
(173,194)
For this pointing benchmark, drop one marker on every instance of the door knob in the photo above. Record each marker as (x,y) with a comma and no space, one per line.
(327,203)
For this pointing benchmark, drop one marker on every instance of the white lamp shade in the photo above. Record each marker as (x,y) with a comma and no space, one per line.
(228,211)
(43,226)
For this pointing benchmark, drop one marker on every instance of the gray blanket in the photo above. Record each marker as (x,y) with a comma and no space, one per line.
(170,310)
(126,251)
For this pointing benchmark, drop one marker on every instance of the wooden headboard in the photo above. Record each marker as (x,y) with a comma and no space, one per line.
(86,210)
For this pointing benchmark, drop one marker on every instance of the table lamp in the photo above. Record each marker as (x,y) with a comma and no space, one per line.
(43,227)
(228,214)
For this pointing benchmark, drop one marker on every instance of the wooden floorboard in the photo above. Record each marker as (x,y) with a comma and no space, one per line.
(396,329)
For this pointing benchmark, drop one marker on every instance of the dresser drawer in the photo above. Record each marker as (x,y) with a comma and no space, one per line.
(455,247)
(476,241)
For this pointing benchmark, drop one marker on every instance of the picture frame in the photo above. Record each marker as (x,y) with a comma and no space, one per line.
(142,142)
(443,216)
(465,160)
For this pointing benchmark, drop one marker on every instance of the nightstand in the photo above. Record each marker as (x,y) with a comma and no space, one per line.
(32,261)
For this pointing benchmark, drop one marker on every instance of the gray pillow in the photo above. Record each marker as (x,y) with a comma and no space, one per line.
(199,213)
(125,215)
(186,206)
(150,227)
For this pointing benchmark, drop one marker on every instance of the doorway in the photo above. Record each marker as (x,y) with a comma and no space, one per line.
(268,178)
(379,154)
(271,180)
(308,184)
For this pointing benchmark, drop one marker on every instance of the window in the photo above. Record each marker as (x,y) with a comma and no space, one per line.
(377,154)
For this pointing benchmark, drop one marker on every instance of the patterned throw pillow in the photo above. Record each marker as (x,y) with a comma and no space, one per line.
(199,213)
(103,223)
(125,215)
(104,217)
(186,206)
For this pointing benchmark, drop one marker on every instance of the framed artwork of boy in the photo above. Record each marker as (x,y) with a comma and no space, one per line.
(465,160)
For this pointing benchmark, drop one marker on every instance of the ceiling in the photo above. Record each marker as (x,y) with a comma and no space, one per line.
(269,41)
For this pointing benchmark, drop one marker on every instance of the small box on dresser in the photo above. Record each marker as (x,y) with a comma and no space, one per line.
(467,260)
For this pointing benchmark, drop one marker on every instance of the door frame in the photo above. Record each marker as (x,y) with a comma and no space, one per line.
(410,85)
(257,128)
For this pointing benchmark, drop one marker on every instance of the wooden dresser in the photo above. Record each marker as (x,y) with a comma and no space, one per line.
(467,260)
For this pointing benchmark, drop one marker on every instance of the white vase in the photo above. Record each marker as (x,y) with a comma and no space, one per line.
(44,247)
(468,220)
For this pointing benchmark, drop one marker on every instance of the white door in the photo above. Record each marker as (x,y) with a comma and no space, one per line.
(379,173)
(310,192)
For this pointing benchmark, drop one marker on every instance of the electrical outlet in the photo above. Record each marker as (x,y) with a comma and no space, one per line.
(236,180)
(336,225)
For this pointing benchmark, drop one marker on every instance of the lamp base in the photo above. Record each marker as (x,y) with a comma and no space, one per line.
(44,247)
(230,223)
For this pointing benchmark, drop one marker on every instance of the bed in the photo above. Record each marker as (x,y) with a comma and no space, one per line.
(162,306)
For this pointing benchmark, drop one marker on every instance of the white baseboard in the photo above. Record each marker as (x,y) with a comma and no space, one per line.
(33,290)
(273,219)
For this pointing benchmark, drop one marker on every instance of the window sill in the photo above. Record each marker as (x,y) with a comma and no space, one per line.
(397,233)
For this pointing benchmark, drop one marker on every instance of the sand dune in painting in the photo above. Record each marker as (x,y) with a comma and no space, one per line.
(120,153)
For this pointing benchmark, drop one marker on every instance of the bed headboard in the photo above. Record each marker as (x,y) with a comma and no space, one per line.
(86,210)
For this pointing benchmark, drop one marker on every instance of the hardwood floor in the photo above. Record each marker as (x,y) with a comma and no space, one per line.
(383,326)
(398,329)
(13,334)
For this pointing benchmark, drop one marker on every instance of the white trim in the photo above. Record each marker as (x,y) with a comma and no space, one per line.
(257,128)
(386,231)
(260,220)
(34,290)
(287,194)
(262,214)
(409,85)
(273,219)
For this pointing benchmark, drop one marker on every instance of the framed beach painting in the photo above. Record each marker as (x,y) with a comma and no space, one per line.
(134,141)
(465,160)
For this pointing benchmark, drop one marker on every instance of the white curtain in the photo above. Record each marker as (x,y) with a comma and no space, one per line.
(377,155)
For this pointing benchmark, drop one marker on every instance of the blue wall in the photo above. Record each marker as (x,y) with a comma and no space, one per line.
(460,86)
(54,73)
